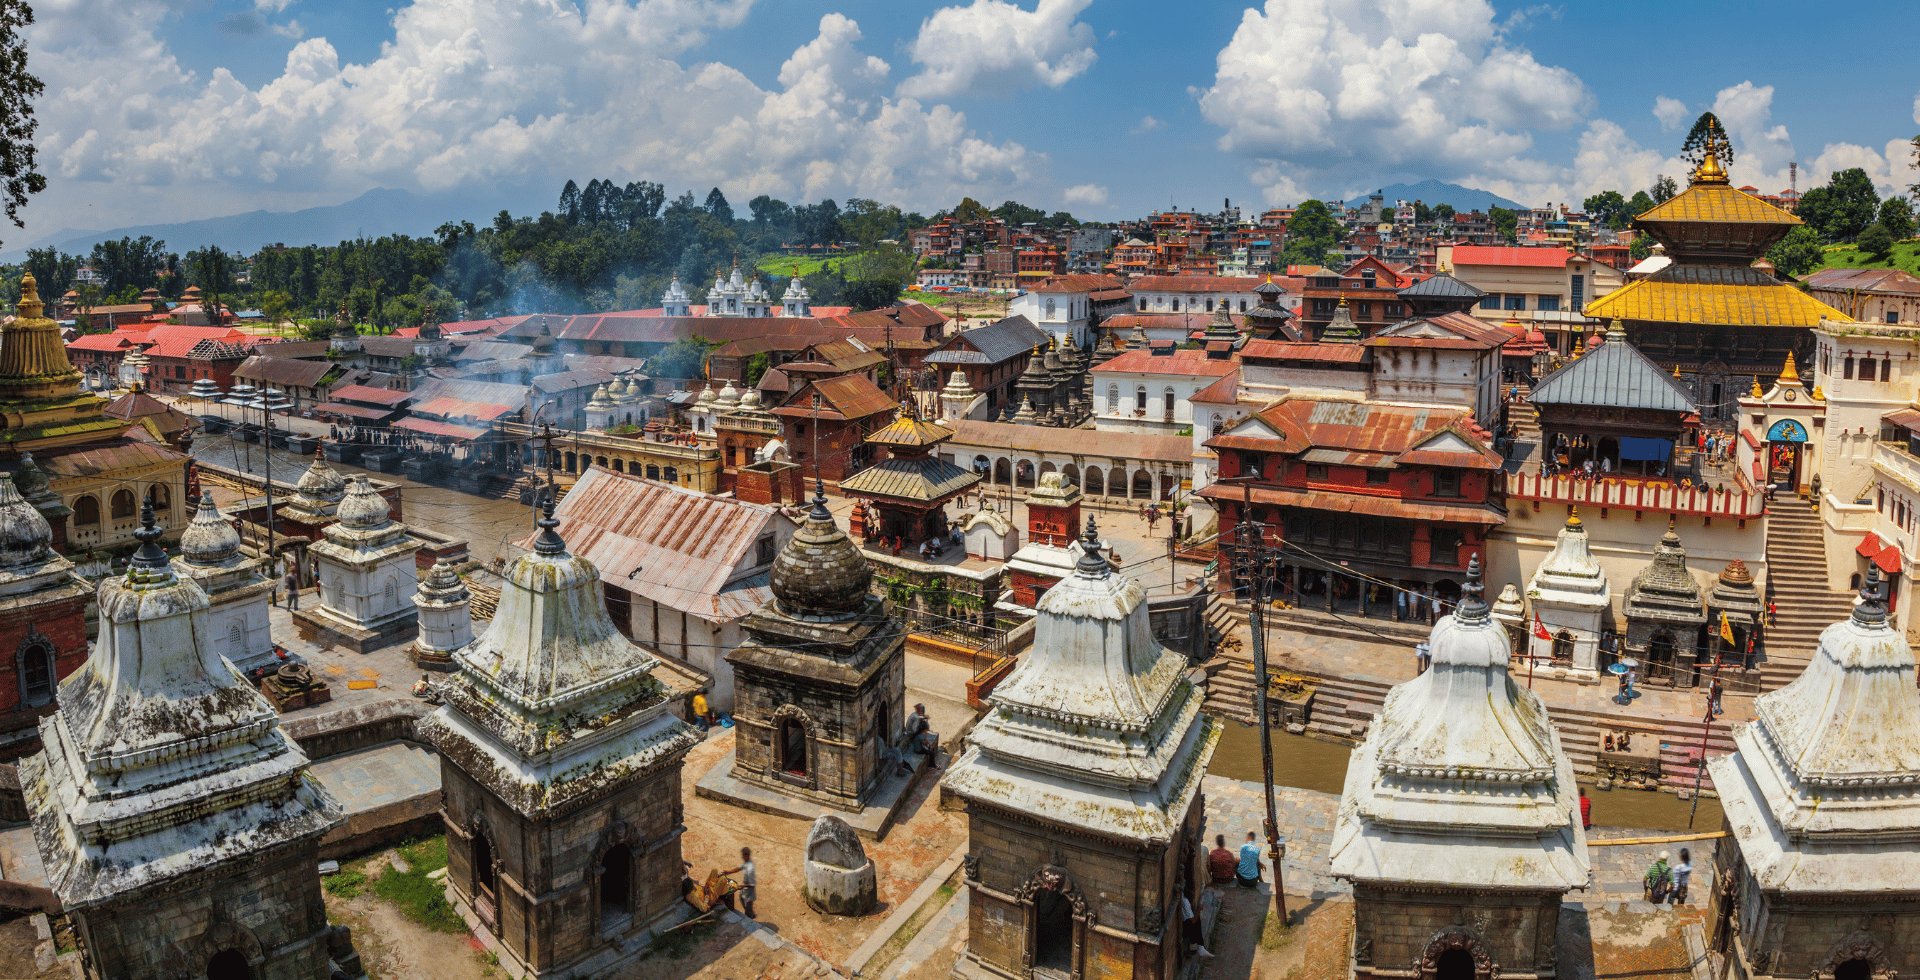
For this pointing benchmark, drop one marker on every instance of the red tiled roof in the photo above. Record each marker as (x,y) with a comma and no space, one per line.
(366,393)
(1287,350)
(1189,362)
(850,396)
(456,408)
(175,340)
(101,341)
(1532,258)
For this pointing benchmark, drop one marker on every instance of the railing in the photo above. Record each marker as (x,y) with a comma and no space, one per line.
(1893,459)
(1626,493)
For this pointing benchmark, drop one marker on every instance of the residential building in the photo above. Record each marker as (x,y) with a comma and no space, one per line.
(827,424)
(1867,295)
(990,357)
(1368,289)
(1148,391)
(1193,294)
(1548,288)
(1067,306)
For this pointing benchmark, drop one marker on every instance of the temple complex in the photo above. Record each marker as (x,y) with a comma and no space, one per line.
(819,690)
(1823,859)
(560,774)
(911,487)
(1459,823)
(1082,788)
(1713,314)
(239,586)
(176,821)
(43,607)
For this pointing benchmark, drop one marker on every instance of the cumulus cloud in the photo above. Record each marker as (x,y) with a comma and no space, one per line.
(1085,194)
(1309,86)
(1672,113)
(474,91)
(1147,124)
(995,47)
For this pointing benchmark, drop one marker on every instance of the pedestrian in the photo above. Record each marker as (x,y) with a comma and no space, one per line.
(1400,605)
(1438,609)
(1220,862)
(1190,929)
(1714,697)
(1681,873)
(1658,879)
(1248,871)
(293,589)
(1586,810)
(748,881)
(1773,614)
(1633,677)
(702,712)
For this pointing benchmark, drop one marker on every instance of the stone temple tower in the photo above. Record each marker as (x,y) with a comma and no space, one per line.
(1082,787)
(1458,825)
(177,822)
(560,772)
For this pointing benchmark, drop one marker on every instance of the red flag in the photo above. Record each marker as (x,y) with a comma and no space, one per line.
(1540,628)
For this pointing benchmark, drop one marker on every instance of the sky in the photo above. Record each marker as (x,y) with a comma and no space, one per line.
(168,110)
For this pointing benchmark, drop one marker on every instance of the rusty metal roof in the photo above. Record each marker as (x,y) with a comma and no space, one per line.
(444,429)
(365,393)
(287,371)
(1466,512)
(849,396)
(686,550)
(925,480)
(992,438)
(95,459)
(353,411)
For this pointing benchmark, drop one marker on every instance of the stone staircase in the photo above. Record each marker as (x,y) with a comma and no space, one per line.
(1344,707)
(1797,584)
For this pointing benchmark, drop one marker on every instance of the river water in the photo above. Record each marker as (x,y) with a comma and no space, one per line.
(1311,764)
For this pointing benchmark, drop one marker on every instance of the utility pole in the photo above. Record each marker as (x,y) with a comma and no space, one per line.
(1252,551)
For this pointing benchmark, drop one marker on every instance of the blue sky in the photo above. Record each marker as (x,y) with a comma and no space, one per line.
(1107,108)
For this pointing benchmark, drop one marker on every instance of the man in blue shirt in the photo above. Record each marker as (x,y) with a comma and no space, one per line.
(1249,869)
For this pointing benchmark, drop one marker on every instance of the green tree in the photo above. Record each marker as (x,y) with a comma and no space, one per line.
(19,174)
(1896,212)
(971,210)
(130,263)
(684,358)
(1664,189)
(1607,207)
(1853,204)
(875,277)
(1016,214)
(1504,222)
(52,269)
(1640,247)
(1639,204)
(1443,212)
(275,305)
(569,203)
(1876,241)
(1798,253)
(718,207)
(1311,234)
(1707,133)
(1421,213)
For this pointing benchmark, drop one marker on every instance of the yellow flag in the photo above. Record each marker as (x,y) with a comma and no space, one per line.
(1726,629)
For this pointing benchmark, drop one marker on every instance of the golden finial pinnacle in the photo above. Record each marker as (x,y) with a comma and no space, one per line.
(1573,516)
(1756,392)
(1789,374)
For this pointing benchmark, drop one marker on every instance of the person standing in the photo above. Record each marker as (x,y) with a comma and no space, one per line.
(1658,879)
(293,588)
(1681,873)
(1220,862)
(1714,697)
(1190,929)
(749,881)
(1248,871)
(1586,812)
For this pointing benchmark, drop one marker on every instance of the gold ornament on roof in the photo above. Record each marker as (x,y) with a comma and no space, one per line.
(1818,394)
(1789,375)
(1710,171)
(1756,392)
(1573,516)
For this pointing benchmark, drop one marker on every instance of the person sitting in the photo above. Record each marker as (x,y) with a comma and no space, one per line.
(422,688)
(920,734)
(1221,862)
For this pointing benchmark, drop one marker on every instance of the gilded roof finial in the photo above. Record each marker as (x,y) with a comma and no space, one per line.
(1756,392)
(1710,171)
(1789,375)
(30,306)
(1676,370)
(1573,517)
(1819,394)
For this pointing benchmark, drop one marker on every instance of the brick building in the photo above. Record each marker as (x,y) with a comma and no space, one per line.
(848,409)
(991,358)
(43,621)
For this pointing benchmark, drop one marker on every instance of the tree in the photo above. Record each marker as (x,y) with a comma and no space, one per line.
(1421,213)
(275,305)
(1896,213)
(1504,222)
(971,210)
(1016,214)
(1798,253)
(52,269)
(1664,189)
(1876,241)
(130,263)
(1639,204)
(569,203)
(684,358)
(1854,204)
(1311,234)
(211,269)
(875,277)
(1443,212)
(718,207)
(19,175)
(1607,207)
(1707,133)
(1640,247)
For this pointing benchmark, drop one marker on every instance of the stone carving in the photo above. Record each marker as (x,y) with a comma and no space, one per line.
(1151,920)
(1859,946)
(972,864)
(840,878)
(1055,879)
(1363,952)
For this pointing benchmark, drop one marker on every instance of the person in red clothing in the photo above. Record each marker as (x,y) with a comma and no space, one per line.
(1586,811)
(1220,861)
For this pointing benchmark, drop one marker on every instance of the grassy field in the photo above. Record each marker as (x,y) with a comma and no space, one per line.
(1906,255)
(793,265)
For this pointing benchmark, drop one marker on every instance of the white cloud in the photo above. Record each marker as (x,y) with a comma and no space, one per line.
(1671,112)
(271,6)
(1147,124)
(469,92)
(995,47)
(1085,194)
(1307,87)
(1916,107)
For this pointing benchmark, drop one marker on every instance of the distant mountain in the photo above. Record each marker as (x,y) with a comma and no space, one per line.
(378,212)
(1431,192)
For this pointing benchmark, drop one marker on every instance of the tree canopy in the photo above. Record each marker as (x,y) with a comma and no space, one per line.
(1843,208)
(1311,235)
(1798,253)
(1897,214)
(19,172)
(1707,133)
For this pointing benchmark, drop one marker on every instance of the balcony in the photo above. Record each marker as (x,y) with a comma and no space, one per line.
(1893,461)
(1627,493)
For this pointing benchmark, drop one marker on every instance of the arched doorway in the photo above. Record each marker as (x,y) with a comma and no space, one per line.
(229,964)
(1563,649)
(1660,656)
(792,743)
(122,504)
(485,879)
(616,885)
(1096,481)
(1071,474)
(1142,484)
(1857,968)
(1454,964)
(1002,472)
(1056,915)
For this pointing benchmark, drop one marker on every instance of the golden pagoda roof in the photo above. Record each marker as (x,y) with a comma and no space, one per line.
(1732,295)
(1717,202)
(910,430)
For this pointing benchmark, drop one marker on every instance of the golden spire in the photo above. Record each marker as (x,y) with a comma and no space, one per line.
(30,305)
(1789,375)
(1756,392)
(1710,171)
(1573,517)
(1676,371)
(33,360)
(1819,395)
(1580,346)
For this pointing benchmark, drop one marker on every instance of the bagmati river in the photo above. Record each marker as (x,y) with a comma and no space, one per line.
(1308,763)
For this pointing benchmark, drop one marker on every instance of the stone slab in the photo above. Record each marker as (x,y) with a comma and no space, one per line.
(322,630)
(899,916)
(872,822)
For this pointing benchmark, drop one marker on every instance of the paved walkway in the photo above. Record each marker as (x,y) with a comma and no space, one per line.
(379,775)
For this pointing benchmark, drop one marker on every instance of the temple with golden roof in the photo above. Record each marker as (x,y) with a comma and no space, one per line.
(1717,315)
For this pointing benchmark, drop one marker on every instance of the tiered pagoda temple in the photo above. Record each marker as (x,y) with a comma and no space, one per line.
(1712,314)
(911,487)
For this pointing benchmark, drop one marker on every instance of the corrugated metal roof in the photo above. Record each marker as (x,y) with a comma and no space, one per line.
(432,428)
(455,408)
(1354,503)
(1285,350)
(286,371)
(95,459)
(924,480)
(1865,280)
(364,393)
(484,392)
(998,341)
(353,411)
(1442,286)
(569,380)
(683,549)
(1185,363)
(493,350)
(1503,255)
(1615,376)
(849,396)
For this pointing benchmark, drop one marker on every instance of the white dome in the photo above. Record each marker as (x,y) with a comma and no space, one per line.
(24,531)
(321,480)
(729,397)
(750,400)
(210,538)
(363,506)
(706,397)
(600,396)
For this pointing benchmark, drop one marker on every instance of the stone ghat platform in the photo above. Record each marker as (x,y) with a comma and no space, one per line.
(871,823)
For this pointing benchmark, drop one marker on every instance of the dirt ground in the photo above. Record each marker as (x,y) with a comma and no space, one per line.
(17,942)
(394,947)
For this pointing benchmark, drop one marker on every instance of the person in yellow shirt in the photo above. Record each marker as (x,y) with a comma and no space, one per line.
(702,714)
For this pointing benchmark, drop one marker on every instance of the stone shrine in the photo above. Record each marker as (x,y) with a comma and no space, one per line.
(1664,616)
(239,587)
(367,576)
(445,617)
(1082,789)
(819,689)
(1822,804)
(1052,547)
(1459,823)
(177,822)
(1569,596)
(316,499)
(560,771)
(43,625)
